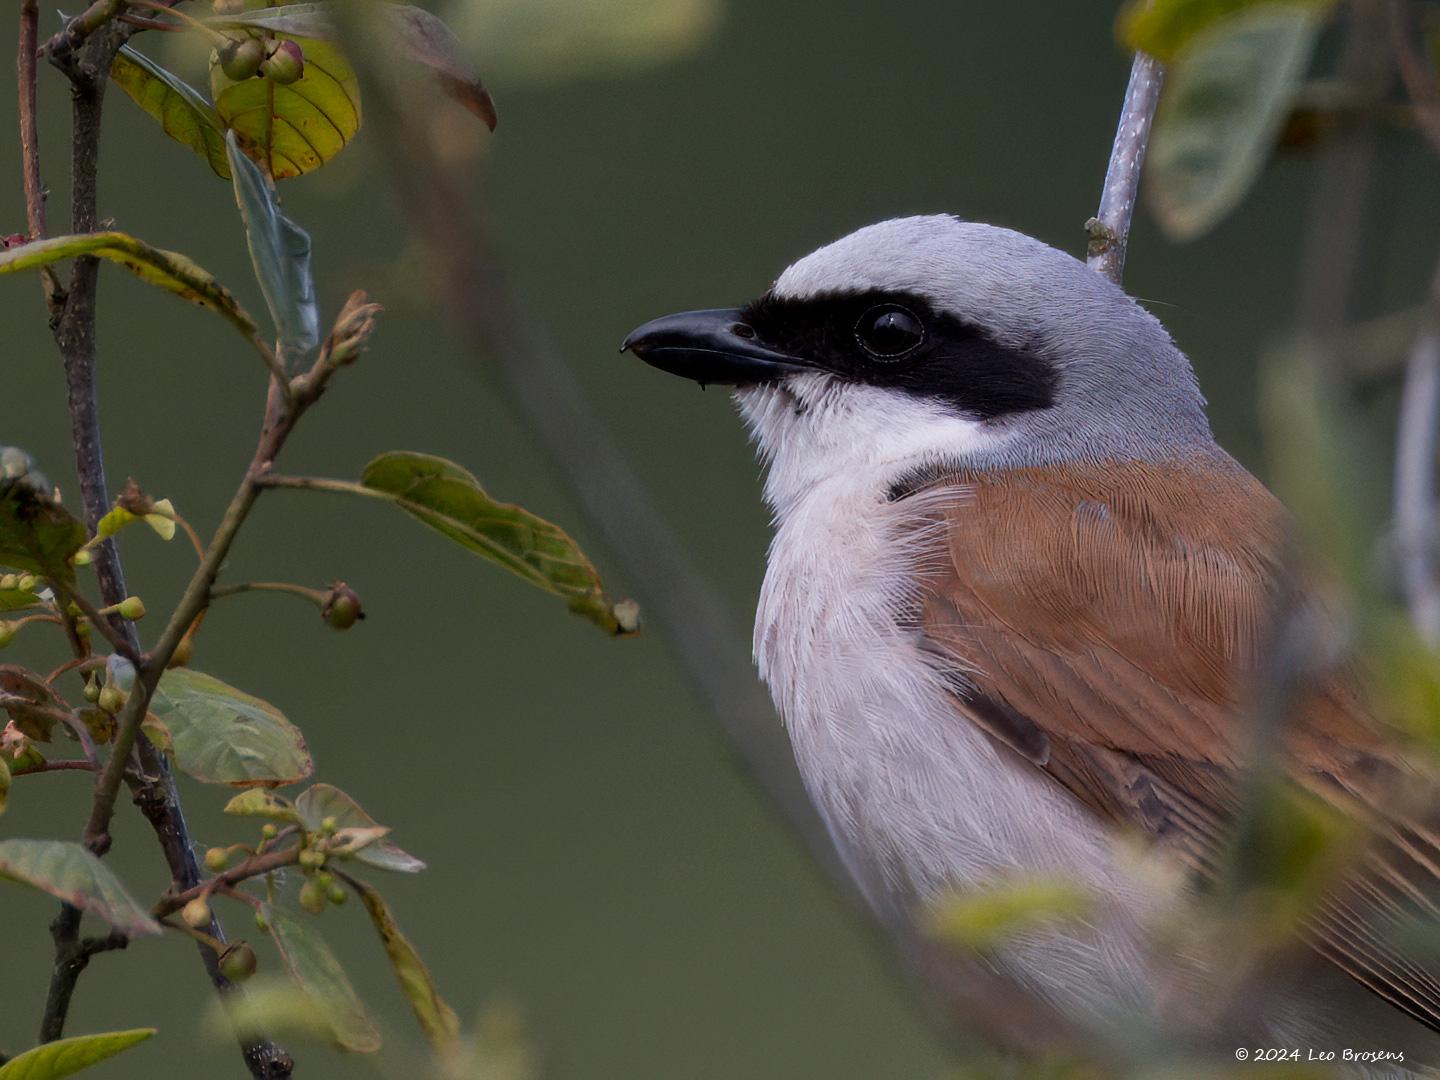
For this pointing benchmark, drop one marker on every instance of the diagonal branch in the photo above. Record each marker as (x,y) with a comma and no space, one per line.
(1109,229)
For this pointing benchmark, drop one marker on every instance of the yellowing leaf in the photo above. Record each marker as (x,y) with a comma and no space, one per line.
(63,1057)
(1226,100)
(318,973)
(292,130)
(222,735)
(257,802)
(437,1019)
(451,501)
(169,270)
(1163,28)
(183,114)
(70,873)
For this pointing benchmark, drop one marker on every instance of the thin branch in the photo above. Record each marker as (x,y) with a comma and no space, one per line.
(1416,71)
(315,596)
(1415,447)
(1109,229)
(25,64)
(253,867)
(63,765)
(72,956)
(122,641)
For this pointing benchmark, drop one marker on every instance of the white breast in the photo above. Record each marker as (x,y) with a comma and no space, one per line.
(917,800)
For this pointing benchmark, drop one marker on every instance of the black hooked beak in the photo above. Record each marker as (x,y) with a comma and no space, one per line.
(710,347)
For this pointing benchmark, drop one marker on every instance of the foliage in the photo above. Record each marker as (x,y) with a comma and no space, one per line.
(285,99)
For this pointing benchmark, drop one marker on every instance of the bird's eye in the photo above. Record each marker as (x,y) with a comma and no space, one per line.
(889,332)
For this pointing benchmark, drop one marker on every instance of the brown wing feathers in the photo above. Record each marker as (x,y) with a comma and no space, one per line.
(1104,621)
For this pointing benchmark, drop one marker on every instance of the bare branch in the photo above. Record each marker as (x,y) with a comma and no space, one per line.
(1109,229)
(1415,447)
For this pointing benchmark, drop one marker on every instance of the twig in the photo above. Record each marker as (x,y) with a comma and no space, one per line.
(1415,445)
(152,784)
(253,867)
(1109,229)
(315,596)
(72,956)
(122,641)
(63,765)
(25,64)
(1416,72)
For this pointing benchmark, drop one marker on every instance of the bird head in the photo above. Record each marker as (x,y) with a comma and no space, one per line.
(930,342)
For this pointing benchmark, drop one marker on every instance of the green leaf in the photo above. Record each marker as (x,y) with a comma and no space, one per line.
(1163,28)
(280,253)
(69,872)
(318,973)
(437,1020)
(982,918)
(257,802)
(222,735)
(322,801)
(415,33)
(1222,111)
(292,130)
(450,500)
(37,534)
(66,1056)
(168,270)
(183,114)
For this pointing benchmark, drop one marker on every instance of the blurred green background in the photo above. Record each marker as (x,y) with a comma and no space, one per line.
(596,859)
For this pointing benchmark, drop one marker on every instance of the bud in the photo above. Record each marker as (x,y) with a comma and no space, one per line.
(132,608)
(261,922)
(311,859)
(82,557)
(27,583)
(9,582)
(337,895)
(240,58)
(196,913)
(330,826)
(7,633)
(352,329)
(92,690)
(313,898)
(237,963)
(111,699)
(217,859)
(341,607)
(269,831)
(285,64)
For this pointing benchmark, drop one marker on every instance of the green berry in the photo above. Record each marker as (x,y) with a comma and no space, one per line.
(285,64)
(313,898)
(330,826)
(217,859)
(311,859)
(337,895)
(7,633)
(132,608)
(111,699)
(10,582)
(240,58)
(27,583)
(269,831)
(92,691)
(237,963)
(196,913)
(341,608)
